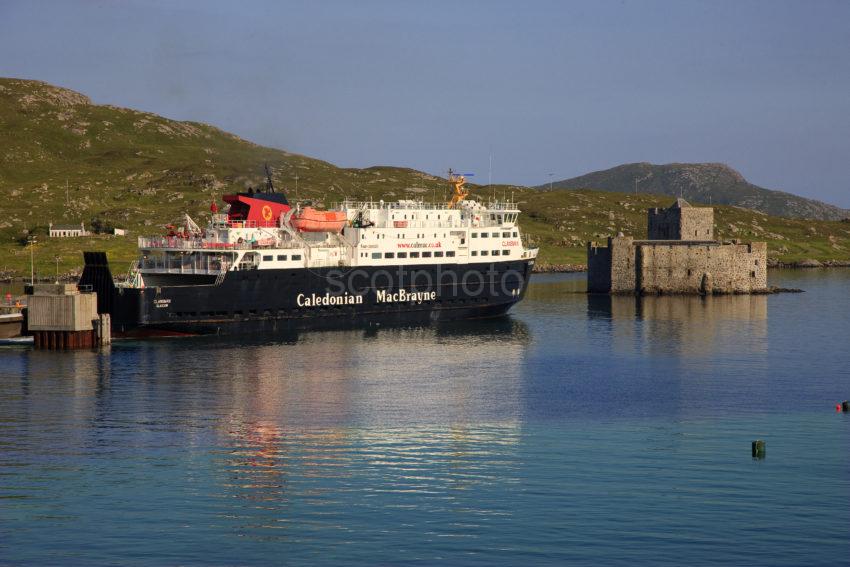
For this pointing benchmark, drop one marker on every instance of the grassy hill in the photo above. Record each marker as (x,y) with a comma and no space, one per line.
(714,183)
(562,221)
(140,171)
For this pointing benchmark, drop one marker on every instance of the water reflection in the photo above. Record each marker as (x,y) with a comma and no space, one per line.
(687,325)
(374,470)
(351,400)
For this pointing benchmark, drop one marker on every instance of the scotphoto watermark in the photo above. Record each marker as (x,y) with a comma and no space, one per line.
(416,285)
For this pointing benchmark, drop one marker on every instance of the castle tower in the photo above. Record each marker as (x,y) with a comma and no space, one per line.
(681,221)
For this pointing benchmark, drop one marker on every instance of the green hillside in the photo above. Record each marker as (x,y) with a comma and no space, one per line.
(714,183)
(562,221)
(139,171)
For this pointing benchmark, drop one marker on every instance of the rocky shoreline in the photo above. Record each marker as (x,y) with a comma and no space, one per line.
(773,264)
(808,263)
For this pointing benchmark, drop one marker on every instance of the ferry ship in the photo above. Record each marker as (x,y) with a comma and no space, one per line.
(266,265)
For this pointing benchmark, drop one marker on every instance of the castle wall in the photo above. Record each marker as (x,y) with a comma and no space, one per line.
(680,257)
(672,267)
(611,269)
(598,268)
(700,268)
(622,264)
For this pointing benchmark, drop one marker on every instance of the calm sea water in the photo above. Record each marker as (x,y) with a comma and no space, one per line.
(576,431)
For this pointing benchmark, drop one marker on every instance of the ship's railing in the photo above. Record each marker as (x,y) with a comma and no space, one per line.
(472,221)
(500,206)
(181,270)
(223,221)
(530,253)
(210,244)
(176,263)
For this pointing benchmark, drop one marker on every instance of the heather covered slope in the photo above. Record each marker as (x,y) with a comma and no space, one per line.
(714,183)
(140,171)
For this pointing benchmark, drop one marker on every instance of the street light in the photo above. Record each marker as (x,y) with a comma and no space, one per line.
(57,258)
(31,240)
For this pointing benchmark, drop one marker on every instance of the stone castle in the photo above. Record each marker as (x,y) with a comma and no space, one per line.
(680,257)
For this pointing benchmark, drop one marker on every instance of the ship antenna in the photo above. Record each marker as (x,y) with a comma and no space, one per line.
(269,184)
(490,174)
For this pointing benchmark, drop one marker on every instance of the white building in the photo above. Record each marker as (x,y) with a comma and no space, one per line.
(67,230)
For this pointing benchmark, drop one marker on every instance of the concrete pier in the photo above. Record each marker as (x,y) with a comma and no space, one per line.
(60,317)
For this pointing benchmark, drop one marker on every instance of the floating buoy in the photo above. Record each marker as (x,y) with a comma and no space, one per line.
(845,406)
(838,407)
(758,449)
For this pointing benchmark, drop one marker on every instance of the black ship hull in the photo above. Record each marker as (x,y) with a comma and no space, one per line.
(267,301)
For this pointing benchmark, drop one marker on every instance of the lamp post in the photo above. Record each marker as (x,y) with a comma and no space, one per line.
(57,258)
(31,240)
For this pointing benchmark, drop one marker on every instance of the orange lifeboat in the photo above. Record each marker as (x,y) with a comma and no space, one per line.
(309,219)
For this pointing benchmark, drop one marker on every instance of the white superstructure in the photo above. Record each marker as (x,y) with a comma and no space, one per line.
(374,234)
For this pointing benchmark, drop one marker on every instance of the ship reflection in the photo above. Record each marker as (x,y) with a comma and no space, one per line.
(391,401)
(296,420)
(690,325)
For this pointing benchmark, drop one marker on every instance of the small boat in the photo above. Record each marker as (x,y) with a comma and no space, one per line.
(10,325)
(309,219)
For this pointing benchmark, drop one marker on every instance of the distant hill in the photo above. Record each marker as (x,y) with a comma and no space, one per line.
(139,171)
(714,183)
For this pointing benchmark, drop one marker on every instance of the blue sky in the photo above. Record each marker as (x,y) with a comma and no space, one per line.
(545,87)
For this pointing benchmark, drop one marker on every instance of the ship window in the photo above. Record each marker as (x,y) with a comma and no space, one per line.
(474,235)
(515,234)
(281,257)
(402,254)
(495,252)
(268,258)
(485,253)
(376,255)
(389,254)
(492,217)
(463,241)
(414,254)
(450,254)
(426,254)
(505,252)
(296,256)
(438,254)
(483,235)
(475,252)
(506,235)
